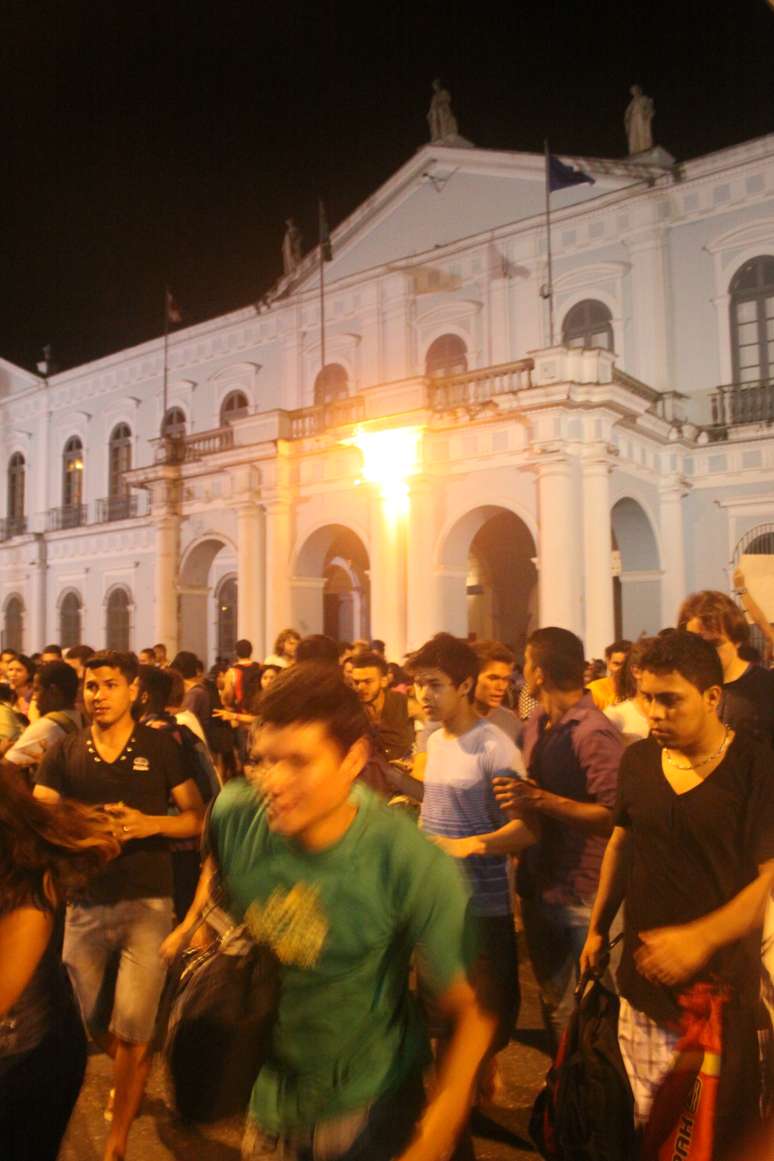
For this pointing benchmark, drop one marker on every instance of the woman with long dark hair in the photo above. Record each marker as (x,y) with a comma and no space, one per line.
(46,853)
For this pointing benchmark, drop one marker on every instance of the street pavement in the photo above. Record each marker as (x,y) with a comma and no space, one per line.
(157,1135)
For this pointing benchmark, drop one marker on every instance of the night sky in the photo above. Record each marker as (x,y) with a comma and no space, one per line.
(146,143)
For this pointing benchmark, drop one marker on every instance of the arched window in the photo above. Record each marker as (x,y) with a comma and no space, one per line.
(72,474)
(118,618)
(70,620)
(119,459)
(234,406)
(331,384)
(173,423)
(752,321)
(588,324)
(447,355)
(227,617)
(13,629)
(16,482)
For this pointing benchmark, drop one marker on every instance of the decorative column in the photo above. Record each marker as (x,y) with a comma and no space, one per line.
(423,606)
(388,574)
(599,630)
(672,489)
(251,592)
(561,559)
(651,299)
(277,595)
(165,518)
(36,631)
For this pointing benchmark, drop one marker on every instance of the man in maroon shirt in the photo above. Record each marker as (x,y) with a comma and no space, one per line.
(572,753)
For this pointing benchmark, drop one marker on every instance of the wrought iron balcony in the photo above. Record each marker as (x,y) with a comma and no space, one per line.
(116,508)
(71,516)
(473,387)
(740,403)
(12,526)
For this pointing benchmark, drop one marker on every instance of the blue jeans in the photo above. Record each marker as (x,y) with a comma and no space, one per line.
(555,935)
(111,951)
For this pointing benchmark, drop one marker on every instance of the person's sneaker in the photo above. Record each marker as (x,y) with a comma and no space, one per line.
(108,1113)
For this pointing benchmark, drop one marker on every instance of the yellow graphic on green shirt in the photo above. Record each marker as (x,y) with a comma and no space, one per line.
(292,923)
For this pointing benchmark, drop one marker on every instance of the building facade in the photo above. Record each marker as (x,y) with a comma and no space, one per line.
(455,464)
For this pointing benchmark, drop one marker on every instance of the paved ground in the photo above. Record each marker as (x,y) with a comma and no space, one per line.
(158,1136)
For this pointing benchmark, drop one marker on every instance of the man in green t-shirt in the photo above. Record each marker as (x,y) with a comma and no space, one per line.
(345,891)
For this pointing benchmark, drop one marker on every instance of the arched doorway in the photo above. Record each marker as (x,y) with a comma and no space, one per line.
(226,600)
(330,585)
(489,579)
(636,571)
(754,554)
(203,569)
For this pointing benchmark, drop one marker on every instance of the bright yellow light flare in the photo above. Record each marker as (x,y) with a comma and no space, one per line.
(390,458)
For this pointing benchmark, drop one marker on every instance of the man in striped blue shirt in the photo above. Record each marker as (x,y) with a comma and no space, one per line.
(461,813)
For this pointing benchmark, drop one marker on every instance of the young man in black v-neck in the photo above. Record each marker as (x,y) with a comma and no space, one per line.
(130,771)
(692,858)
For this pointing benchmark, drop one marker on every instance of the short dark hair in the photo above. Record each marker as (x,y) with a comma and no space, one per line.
(159,645)
(156,684)
(63,676)
(318,647)
(243,648)
(750,653)
(377,645)
(622,646)
(489,651)
(148,649)
(186,663)
(717,613)
(312,692)
(79,653)
(451,655)
(7,695)
(687,654)
(559,653)
(125,663)
(176,688)
(369,660)
(624,681)
(55,649)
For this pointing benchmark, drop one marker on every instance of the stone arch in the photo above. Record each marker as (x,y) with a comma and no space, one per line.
(330,586)
(119,609)
(202,568)
(636,570)
(488,576)
(14,612)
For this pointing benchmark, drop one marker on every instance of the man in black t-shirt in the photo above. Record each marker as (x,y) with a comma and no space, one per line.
(692,857)
(748,690)
(129,771)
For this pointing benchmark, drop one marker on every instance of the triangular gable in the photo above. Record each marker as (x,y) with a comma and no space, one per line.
(443,195)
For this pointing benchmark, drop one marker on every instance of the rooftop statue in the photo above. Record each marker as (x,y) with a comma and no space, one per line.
(637,119)
(441,119)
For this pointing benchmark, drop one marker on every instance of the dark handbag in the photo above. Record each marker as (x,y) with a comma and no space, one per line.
(585,1111)
(221,1002)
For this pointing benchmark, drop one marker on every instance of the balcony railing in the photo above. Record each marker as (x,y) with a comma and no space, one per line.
(740,403)
(313,420)
(473,387)
(116,508)
(12,526)
(71,516)
(181,449)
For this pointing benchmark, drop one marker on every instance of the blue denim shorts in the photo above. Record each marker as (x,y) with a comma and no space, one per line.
(111,951)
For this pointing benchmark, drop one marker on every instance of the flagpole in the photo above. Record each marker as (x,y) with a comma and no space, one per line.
(166,345)
(550,284)
(322,290)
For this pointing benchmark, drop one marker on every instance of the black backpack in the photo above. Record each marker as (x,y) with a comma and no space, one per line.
(585,1112)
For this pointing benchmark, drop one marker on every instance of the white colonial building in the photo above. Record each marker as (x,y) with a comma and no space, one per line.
(450,466)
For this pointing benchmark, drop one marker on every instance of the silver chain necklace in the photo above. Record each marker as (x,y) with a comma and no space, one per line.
(703,761)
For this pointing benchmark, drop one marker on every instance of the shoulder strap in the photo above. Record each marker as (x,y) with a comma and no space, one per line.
(64,721)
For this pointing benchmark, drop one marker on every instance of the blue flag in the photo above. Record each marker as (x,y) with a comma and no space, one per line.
(561,176)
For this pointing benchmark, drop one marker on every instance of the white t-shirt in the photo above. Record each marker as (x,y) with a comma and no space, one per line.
(629,719)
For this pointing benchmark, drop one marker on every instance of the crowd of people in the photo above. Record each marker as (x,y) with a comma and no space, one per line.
(386,829)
